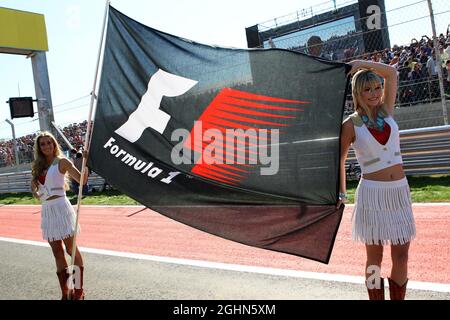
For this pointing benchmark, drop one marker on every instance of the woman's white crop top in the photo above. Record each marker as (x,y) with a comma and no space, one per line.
(371,155)
(54,182)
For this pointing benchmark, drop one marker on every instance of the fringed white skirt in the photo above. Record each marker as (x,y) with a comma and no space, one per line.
(383,213)
(57,219)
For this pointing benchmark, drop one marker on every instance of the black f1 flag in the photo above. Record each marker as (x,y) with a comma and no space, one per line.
(242,144)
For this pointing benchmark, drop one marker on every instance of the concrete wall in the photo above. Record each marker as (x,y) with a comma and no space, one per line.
(420,116)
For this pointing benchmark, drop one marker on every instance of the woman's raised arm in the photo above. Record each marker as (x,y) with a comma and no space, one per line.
(385,71)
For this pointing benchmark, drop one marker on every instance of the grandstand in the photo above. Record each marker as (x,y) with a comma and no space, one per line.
(342,34)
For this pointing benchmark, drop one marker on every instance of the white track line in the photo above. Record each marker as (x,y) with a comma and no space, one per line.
(429,286)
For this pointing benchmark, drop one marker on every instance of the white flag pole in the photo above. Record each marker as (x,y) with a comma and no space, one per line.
(87,144)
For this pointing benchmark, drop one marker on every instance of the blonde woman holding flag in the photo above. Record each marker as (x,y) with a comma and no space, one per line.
(58,221)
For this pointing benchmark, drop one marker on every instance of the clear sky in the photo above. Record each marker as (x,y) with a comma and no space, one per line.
(73,30)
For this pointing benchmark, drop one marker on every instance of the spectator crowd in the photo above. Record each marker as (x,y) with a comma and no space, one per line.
(417,68)
(75,133)
(416,64)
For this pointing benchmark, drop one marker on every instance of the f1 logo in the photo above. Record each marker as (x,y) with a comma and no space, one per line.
(148,114)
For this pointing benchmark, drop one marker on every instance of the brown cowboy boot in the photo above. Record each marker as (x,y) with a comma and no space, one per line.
(377,294)
(79,293)
(63,276)
(397,292)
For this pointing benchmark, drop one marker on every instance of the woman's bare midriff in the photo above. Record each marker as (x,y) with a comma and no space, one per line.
(388,174)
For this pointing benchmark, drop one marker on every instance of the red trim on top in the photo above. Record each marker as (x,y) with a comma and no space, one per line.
(42,179)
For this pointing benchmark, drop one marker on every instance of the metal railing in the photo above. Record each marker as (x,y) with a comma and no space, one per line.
(20,182)
(425,151)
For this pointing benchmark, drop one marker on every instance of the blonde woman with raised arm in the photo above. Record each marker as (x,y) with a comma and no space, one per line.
(383,213)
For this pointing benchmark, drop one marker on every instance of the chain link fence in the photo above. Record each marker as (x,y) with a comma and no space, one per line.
(398,33)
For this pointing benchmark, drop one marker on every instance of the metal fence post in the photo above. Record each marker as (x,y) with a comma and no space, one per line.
(438,60)
(16,152)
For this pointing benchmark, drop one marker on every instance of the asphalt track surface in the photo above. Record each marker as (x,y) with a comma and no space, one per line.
(135,253)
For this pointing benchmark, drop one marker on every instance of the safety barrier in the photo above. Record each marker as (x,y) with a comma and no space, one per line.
(20,182)
(425,151)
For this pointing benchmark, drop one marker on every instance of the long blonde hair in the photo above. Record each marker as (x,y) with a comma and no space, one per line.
(39,163)
(362,79)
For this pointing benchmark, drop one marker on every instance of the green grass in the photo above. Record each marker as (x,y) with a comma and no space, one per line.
(109,197)
(423,189)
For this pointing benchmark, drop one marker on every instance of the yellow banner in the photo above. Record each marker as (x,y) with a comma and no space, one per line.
(22,32)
